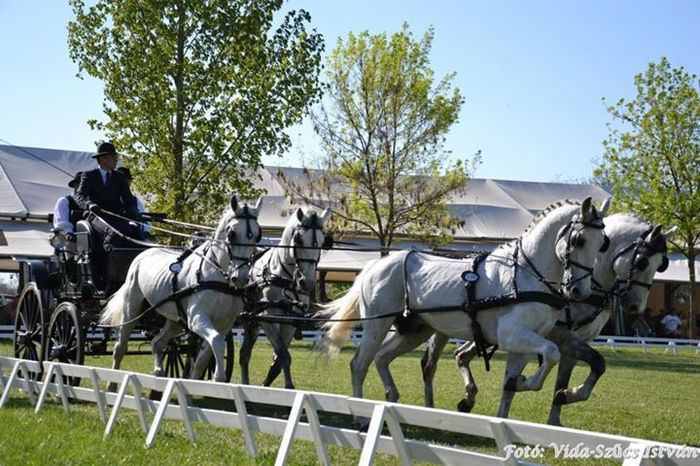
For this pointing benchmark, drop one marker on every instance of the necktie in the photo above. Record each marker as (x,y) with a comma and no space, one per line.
(109,174)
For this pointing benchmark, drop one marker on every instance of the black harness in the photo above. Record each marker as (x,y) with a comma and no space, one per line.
(553,298)
(219,286)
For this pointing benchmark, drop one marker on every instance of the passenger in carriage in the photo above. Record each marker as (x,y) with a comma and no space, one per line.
(105,191)
(66,213)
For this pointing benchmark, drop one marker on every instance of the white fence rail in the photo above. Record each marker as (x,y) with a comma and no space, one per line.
(669,344)
(613,342)
(14,374)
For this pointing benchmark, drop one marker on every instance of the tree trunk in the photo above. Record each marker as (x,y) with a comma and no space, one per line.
(179,136)
(692,312)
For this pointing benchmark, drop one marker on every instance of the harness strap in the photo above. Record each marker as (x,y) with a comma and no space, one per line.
(192,289)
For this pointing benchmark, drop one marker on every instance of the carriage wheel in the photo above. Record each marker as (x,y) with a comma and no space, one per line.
(181,351)
(193,349)
(29,335)
(174,357)
(65,342)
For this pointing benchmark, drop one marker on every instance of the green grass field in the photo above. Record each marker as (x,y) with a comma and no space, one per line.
(654,396)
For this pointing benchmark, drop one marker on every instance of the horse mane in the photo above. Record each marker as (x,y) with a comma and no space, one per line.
(544,212)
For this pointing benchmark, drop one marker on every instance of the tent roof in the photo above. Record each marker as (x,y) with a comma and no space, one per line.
(31,179)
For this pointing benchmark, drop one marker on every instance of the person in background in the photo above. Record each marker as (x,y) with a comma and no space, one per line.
(671,323)
(66,211)
(145,226)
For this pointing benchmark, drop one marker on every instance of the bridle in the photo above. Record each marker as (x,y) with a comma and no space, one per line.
(289,278)
(575,239)
(642,250)
(236,262)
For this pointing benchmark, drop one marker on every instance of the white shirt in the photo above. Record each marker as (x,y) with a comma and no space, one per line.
(103,174)
(671,322)
(61,215)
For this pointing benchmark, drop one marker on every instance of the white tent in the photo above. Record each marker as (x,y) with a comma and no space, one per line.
(31,180)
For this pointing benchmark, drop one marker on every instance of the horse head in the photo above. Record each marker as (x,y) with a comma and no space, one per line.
(308,239)
(577,246)
(636,264)
(240,231)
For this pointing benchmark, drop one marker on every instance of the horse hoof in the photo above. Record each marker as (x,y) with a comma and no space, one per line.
(555,422)
(559,398)
(362,422)
(112,387)
(155,395)
(465,406)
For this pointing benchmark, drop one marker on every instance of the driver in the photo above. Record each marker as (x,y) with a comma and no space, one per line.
(104,191)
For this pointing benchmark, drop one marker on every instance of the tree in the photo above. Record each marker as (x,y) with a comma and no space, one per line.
(382,126)
(652,157)
(196,91)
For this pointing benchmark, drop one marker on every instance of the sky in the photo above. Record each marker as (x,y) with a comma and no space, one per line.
(533,73)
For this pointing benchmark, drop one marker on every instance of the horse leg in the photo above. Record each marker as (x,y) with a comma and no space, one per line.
(250,337)
(566,367)
(170,330)
(282,356)
(463,356)
(428,364)
(576,349)
(515,364)
(393,346)
(372,337)
(201,324)
(287,333)
(521,339)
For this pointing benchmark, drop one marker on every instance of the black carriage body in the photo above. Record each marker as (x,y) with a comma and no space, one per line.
(59,308)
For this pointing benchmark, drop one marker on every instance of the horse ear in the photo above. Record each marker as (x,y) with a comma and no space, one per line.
(671,232)
(324,214)
(234,202)
(655,232)
(300,214)
(604,208)
(586,206)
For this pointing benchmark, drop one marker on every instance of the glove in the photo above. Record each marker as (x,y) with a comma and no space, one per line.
(133,214)
(94,208)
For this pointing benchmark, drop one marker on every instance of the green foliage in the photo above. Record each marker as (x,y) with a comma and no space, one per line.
(652,153)
(383,123)
(196,91)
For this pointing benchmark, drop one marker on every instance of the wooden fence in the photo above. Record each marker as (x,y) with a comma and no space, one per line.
(15,374)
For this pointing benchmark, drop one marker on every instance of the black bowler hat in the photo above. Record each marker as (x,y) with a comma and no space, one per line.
(75,181)
(126,172)
(106,148)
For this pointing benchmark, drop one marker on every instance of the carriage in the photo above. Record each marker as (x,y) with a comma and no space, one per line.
(58,309)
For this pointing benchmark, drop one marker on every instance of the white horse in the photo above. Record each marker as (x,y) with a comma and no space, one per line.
(637,250)
(562,243)
(285,275)
(208,284)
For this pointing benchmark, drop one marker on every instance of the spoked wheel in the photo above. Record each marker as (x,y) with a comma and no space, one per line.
(174,357)
(29,334)
(65,340)
(195,343)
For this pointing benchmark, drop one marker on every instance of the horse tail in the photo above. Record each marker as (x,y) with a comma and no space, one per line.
(113,313)
(341,311)
(345,307)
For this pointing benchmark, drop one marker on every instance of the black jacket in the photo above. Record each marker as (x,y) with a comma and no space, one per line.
(115,196)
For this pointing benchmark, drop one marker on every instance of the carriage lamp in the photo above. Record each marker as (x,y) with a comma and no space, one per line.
(57,239)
